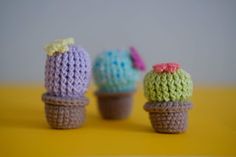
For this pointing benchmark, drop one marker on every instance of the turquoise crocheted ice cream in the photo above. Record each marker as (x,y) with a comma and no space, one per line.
(167,82)
(117,71)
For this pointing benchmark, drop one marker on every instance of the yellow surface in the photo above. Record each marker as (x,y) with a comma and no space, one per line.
(24,131)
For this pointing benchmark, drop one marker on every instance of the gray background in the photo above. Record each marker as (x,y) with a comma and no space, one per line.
(200,35)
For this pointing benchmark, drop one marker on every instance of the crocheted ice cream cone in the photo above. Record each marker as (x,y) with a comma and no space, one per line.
(67,76)
(168,89)
(116,73)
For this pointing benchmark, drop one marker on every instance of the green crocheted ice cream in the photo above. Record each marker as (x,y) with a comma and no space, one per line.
(167,82)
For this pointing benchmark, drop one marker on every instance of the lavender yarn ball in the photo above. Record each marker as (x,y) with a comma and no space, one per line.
(68,74)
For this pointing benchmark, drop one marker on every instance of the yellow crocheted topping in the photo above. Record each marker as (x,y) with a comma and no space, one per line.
(60,45)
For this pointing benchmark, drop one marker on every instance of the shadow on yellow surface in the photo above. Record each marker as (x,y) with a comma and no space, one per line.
(24,131)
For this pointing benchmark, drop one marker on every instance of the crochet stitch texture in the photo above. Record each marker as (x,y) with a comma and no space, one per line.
(59,46)
(114,72)
(166,86)
(67,74)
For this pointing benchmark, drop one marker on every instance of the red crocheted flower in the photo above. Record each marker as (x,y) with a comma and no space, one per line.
(136,59)
(166,67)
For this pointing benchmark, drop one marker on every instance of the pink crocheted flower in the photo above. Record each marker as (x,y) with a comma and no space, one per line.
(136,59)
(166,67)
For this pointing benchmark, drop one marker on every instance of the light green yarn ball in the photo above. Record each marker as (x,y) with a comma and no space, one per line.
(175,86)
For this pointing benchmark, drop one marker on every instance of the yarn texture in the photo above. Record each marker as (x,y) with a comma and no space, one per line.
(59,46)
(160,87)
(137,60)
(170,106)
(68,74)
(168,89)
(64,117)
(113,72)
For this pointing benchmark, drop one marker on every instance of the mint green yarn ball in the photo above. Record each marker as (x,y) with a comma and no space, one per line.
(161,87)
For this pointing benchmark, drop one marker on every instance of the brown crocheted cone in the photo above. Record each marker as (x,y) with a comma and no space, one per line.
(64,113)
(115,105)
(168,117)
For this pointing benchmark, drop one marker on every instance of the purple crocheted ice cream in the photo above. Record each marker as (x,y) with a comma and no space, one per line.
(68,74)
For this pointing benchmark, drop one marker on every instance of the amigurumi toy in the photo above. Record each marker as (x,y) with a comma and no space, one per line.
(116,73)
(67,76)
(168,89)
